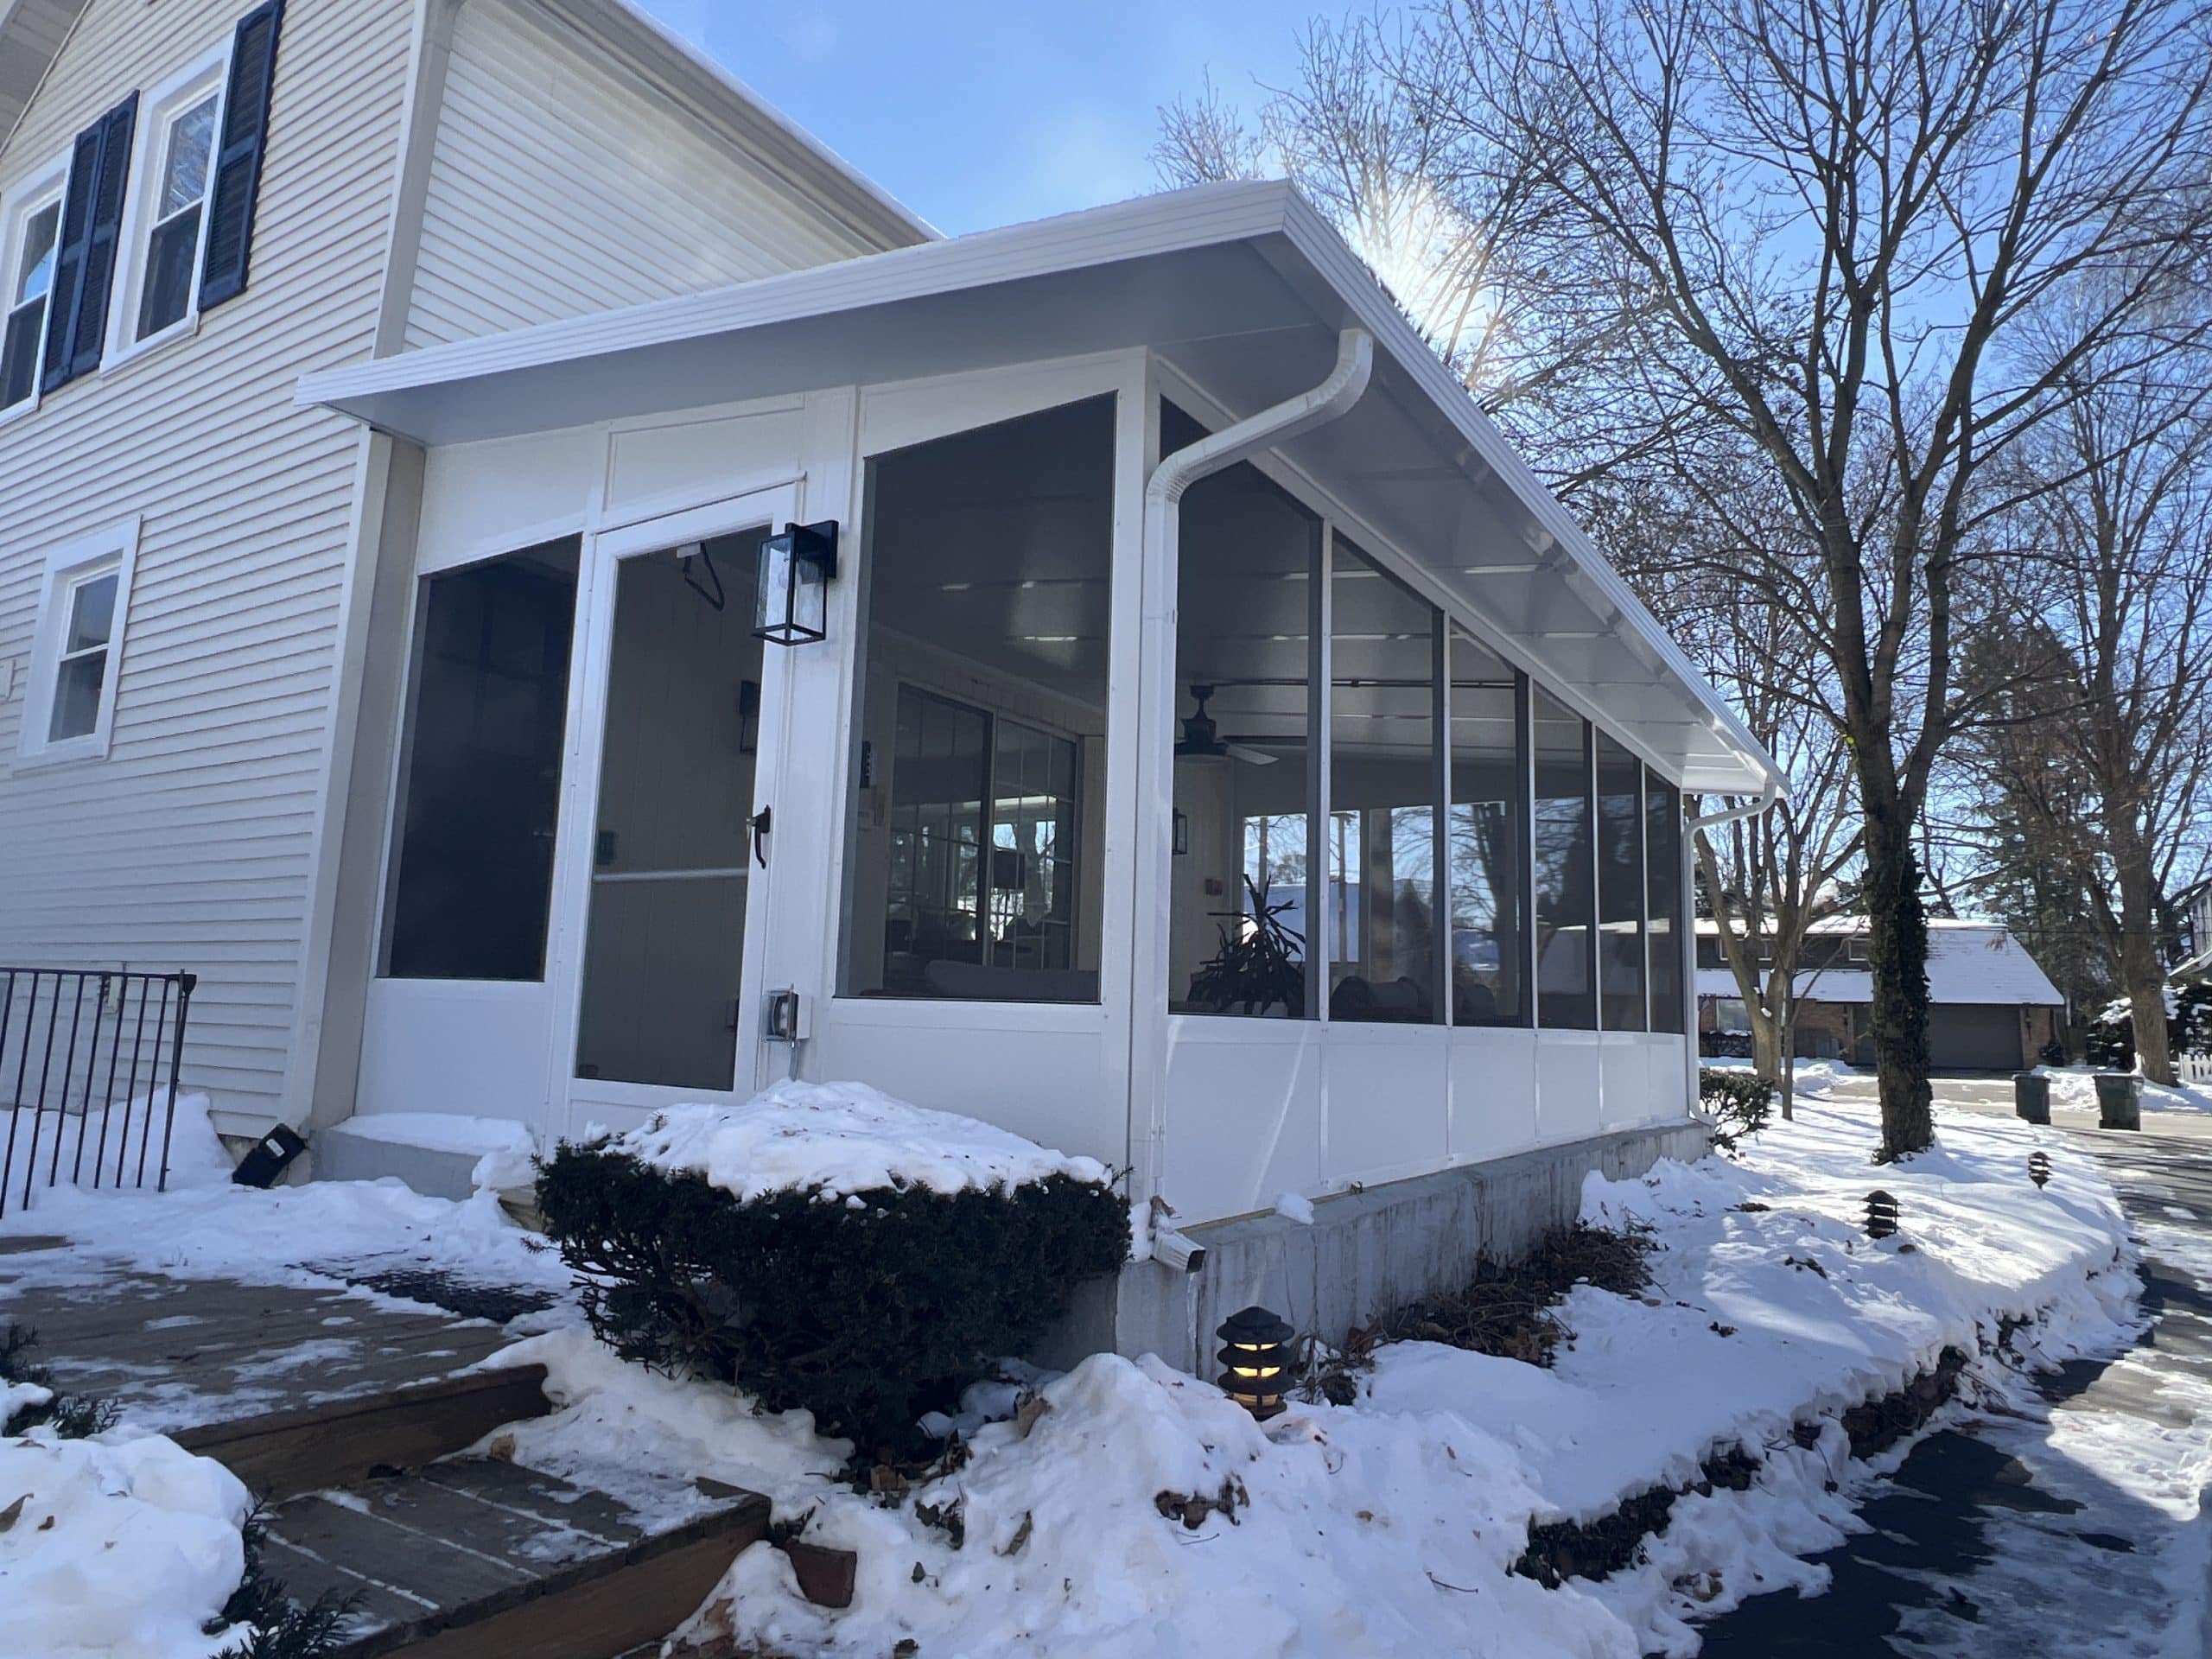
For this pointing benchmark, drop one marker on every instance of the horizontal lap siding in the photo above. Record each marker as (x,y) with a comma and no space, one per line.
(562,185)
(192,845)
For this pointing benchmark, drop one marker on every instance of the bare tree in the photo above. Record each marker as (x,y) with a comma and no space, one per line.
(1840,222)
(2103,750)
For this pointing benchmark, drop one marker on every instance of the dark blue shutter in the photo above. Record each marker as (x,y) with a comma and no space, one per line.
(84,262)
(238,159)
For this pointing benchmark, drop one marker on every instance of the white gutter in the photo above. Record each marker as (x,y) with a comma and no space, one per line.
(1768,797)
(1163,526)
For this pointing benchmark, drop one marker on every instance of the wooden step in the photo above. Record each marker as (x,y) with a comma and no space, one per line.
(345,1441)
(475,1557)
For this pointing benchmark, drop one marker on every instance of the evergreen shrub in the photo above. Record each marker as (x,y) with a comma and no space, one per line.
(867,1310)
(1739,1102)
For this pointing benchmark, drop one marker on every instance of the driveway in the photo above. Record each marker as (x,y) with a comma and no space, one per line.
(2073,1526)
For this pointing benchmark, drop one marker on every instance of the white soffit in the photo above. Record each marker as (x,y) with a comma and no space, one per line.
(1244,287)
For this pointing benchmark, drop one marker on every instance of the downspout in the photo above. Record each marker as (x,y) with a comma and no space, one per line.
(1768,797)
(1162,532)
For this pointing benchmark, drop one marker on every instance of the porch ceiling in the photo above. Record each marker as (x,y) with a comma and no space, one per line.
(1242,286)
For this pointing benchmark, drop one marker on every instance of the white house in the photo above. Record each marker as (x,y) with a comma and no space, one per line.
(1163,577)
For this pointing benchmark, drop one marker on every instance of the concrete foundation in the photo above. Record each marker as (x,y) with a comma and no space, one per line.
(1364,1255)
(339,1154)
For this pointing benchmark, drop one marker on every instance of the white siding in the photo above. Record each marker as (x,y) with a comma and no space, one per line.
(563,184)
(192,845)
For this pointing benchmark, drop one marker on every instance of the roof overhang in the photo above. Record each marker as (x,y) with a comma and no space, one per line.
(31,34)
(1242,286)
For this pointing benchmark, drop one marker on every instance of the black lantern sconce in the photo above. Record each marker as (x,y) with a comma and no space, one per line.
(1881,1214)
(2039,1169)
(1255,1360)
(796,570)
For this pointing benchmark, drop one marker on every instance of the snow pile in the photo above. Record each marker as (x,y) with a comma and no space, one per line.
(836,1139)
(77,1147)
(2074,1089)
(1390,1525)
(127,1549)
(1808,1077)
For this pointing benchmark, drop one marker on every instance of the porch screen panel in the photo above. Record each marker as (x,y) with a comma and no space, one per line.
(1486,833)
(1380,915)
(976,831)
(1246,774)
(1663,843)
(1561,836)
(1621,955)
(472,879)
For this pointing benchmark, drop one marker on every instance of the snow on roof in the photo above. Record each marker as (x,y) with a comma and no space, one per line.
(1967,962)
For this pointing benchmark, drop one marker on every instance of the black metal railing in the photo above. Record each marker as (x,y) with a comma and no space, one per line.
(89,1059)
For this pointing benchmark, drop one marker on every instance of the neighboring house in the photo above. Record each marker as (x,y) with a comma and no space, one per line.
(1152,554)
(1990,1009)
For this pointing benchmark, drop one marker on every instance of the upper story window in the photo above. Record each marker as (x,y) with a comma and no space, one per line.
(164,225)
(145,224)
(179,201)
(30,234)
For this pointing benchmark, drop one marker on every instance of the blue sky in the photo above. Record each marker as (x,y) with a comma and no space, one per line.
(994,111)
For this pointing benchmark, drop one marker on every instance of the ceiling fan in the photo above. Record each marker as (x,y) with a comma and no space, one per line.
(1201,741)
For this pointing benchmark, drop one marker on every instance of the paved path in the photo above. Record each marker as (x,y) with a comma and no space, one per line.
(2077,1529)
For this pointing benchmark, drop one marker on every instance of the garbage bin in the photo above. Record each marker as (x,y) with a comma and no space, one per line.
(2031,1096)
(2119,1100)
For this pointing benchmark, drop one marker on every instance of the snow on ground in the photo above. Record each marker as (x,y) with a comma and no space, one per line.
(840,1138)
(1391,1525)
(1810,1076)
(122,1547)
(203,1227)
(2074,1088)
(104,1147)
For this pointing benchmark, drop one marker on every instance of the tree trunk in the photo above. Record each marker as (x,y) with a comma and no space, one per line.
(1898,960)
(1770,1055)
(2142,972)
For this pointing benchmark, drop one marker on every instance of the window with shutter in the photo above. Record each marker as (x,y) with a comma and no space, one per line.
(238,166)
(30,238)
(85,252)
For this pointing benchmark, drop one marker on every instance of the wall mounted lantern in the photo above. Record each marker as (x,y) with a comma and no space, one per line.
(796,570)
(1255,1360)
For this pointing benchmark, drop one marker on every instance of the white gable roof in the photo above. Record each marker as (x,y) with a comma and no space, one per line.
(1975,963)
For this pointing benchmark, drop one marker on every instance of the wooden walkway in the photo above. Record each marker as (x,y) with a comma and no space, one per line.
(350,1403)
(175,1353)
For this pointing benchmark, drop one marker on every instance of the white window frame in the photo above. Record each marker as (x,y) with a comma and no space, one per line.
(25,200)
(68,568)
(208,73)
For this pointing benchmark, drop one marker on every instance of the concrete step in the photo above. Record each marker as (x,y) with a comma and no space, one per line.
(435,1153)
(473,1556)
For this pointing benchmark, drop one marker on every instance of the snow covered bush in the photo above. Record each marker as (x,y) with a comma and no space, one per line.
(828,1248)
(2109,1043)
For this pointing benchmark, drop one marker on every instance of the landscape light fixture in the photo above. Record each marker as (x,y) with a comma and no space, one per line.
(1881,1214)
(2039,1169)
(1255,1360)
(796,570)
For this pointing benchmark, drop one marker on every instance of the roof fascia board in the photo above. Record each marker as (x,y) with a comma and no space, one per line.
(1318,243)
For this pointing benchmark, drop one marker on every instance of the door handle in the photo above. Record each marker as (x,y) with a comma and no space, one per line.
(762,821)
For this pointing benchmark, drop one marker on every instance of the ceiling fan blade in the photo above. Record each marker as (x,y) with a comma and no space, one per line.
(1249,755)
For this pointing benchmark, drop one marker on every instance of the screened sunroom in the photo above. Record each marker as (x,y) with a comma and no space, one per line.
(1205,746)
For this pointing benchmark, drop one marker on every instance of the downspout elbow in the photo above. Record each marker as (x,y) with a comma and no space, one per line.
(1768,797)
(1346,383)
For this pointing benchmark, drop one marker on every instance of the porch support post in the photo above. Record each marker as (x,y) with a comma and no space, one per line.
(1163,503)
